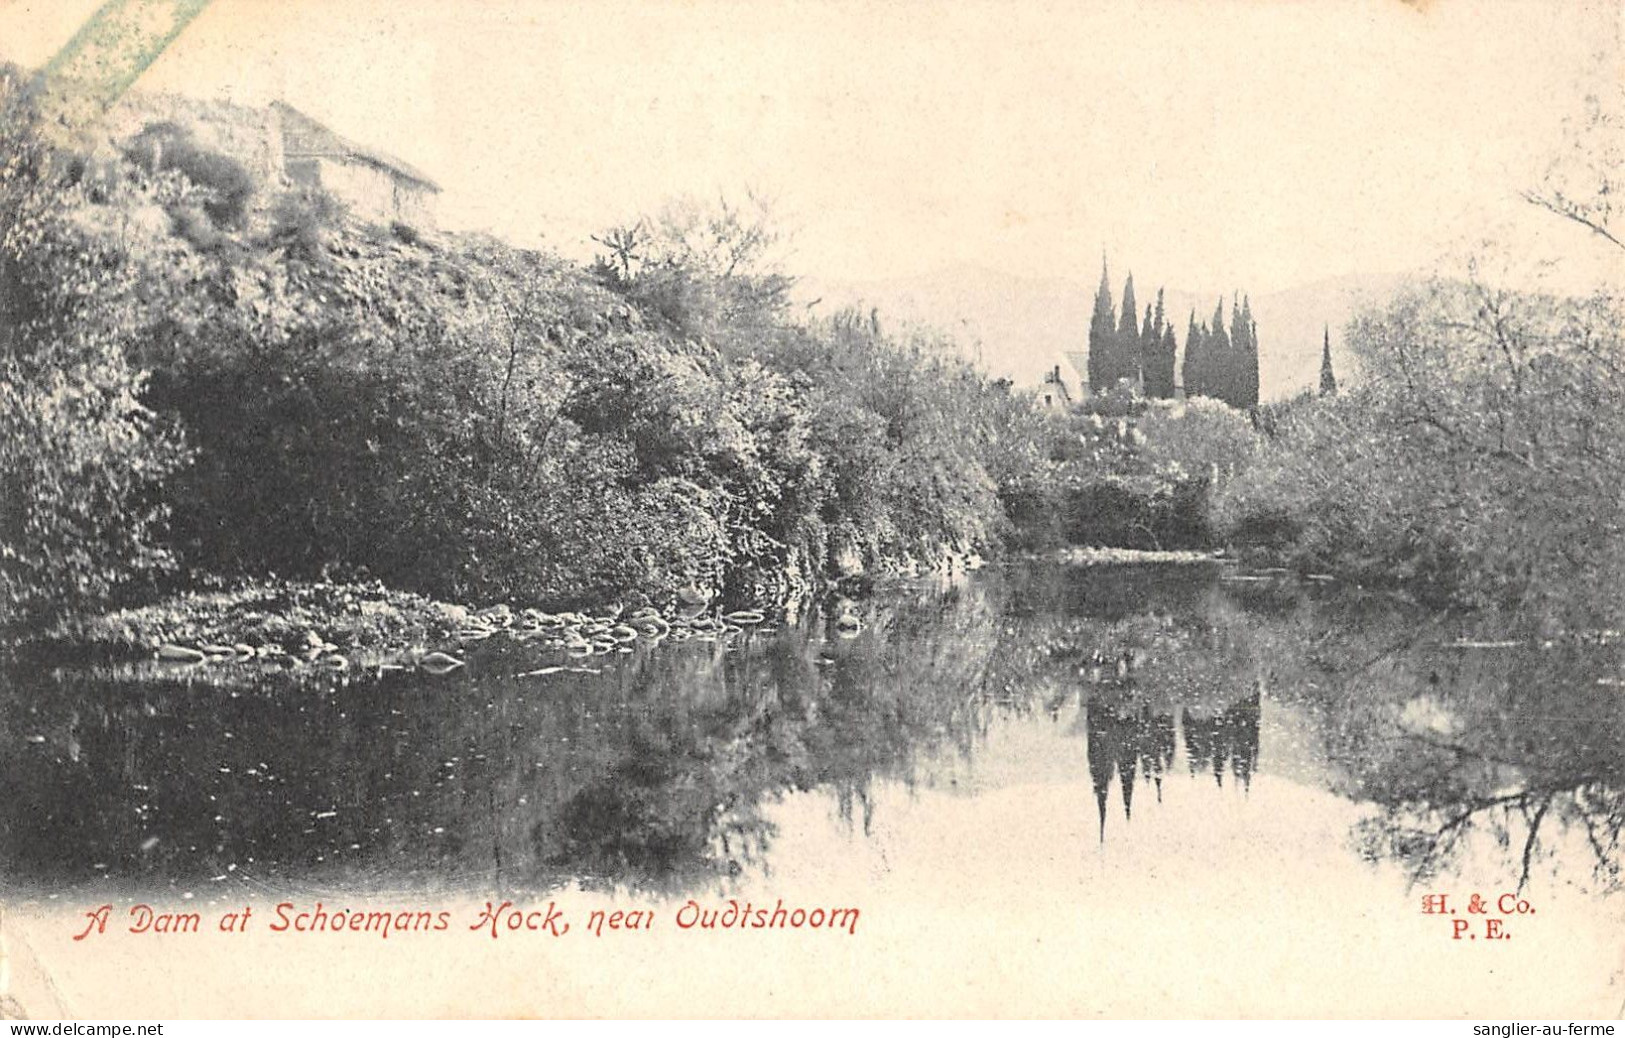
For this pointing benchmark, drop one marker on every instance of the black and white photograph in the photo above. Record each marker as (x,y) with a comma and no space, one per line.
(906,509)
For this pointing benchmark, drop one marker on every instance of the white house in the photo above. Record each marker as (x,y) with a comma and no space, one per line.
(374,184)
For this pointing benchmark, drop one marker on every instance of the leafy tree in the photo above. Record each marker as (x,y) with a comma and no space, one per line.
(1201,439)
(710,269)
(1481,462)
(80,455)
(1583,182)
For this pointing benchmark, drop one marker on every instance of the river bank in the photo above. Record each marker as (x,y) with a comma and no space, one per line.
(258,620)
(288,624)
(1098,556)
(294,624)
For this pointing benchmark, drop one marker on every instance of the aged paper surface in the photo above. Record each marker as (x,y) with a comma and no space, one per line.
(1069,839)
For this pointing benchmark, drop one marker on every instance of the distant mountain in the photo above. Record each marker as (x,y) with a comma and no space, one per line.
(1019,327)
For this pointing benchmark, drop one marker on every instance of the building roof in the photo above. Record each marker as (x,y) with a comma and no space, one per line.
(304,137)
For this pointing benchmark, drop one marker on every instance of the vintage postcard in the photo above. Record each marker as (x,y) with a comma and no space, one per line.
(889,508)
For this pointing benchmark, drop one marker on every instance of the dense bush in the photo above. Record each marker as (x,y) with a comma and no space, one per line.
(228,185)
(459,417)
(1481,456)
(81,457)
(1481,460)
(1123,471)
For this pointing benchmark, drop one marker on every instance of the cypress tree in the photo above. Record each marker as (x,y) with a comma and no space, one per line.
(1153,363)
(1193,371)
(1218,363)
(1124,350)
(1160,356)
(1146,350)
(1102,329)
(1244,347)
(1328,380)
(1165,363)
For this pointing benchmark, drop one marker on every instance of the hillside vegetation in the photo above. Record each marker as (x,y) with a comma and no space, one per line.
(206,377)
(209,377)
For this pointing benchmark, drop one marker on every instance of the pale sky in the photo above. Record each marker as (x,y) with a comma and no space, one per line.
(1253,143)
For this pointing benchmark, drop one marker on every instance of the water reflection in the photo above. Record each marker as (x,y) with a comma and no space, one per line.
(659,768)
(1522,749)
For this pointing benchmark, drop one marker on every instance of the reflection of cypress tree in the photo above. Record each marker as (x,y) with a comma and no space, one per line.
(1098,731)
(1201,735)
(1141,743)
(1127,765)
(1230,738)
(1240,725)
(1157,746)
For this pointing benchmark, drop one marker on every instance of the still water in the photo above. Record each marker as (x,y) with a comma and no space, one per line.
(657,768)
(1133,746)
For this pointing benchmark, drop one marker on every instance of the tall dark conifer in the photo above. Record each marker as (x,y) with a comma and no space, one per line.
(1166,355)
(1328,380)
(1192,372)
(1218,362)
(1125,351)
(1145,348)
(1244,349)
(1156,369)
(1102,330)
